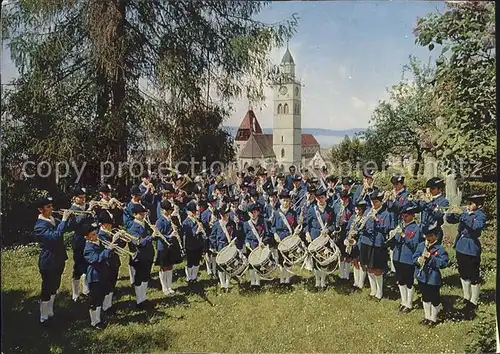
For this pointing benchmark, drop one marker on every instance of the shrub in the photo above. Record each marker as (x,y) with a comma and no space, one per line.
(490,203)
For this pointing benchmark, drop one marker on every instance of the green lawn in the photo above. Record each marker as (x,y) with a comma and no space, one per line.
(204,320)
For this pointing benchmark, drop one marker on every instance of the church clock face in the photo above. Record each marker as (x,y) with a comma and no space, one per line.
(283,90)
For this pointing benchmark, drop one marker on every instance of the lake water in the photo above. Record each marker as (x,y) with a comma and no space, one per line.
(327,141)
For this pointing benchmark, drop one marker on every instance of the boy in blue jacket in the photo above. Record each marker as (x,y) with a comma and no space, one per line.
(429,258)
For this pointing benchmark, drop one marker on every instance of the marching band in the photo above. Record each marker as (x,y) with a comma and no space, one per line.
(261,224)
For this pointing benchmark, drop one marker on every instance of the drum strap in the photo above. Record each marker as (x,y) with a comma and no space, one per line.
(320,220)
(254,230)
(283,217)
(224,229)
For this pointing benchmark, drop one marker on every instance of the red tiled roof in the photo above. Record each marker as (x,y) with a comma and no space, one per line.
(308,140)
(249,123)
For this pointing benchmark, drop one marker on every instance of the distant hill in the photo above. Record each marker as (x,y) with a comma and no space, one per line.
(313,131)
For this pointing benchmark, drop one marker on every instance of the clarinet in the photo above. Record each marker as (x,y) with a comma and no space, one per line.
(426,249)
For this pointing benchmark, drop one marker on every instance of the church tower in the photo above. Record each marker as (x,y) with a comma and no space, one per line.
(287,127)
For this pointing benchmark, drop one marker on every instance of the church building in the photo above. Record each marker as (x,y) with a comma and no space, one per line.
(287,145)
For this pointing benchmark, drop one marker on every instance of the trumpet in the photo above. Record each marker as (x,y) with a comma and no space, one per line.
(389,196)
(119,250)
(186,179)
(121,234)
(453,209)
(393,233)
(156,232)
(420,196)
(75,212)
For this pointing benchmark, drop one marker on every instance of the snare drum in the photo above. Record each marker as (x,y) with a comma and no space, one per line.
(231,261)
(292,249)
(324,251)
(262,261)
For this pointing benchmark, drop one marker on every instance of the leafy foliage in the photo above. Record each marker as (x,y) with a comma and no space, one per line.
(465,87)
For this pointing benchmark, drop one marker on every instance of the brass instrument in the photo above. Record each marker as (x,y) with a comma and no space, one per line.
(389,195)
(186,179)
(156,232)
(421,260)
(75,212)
(420,196)
(350,240)
(119,250)
(121,234)
(453,209)
(393,233)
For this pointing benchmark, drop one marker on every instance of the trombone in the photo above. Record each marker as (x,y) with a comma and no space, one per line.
(156,232)
(119,250)
(75,212)
(121,234)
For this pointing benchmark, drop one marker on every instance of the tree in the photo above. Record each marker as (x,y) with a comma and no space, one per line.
(464,87)
(347,155)
(402,124)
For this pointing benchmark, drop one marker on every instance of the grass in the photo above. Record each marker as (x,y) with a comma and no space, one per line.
(205,320)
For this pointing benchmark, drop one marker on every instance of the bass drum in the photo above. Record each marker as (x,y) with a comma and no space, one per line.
(231,261)
(262,261)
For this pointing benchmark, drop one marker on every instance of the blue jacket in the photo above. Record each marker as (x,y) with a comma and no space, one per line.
(268,211)
(78,239)
(218,239)
(98,259)
(278,225)
(298,195)
(346,214)
(431,273)
(313,225)
(128,217)
(307,214)
(147,197)
(470,227)
(405,243)
(262,230)
(165,227)
(289,181)
(376,231)
(114,261)
(429,215)
(52,250)
(192,240)
(394,207)
(145,249)
(205,217)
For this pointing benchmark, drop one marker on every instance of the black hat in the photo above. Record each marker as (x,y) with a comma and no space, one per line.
(240,174)
(435,182)
(313,180)
(304,170)
(297,179)
(43,201)
(377,195)
(105,188)
(476,197)
(166,205)
(410,208)
(138,208)
(168,187)
(88,226)
(191,206)
(254,206)
(368,173)
(145,175)
(284,194)
(320,192)
(248,179)
(220,186)
(272,191)
(211,199)
(361,204)
(79,191)
(397,179)
(250,169)
(225,209)
(135,190)
(253,193)
(344,194)
(234,198)
(431,229)
(202,203)
(312,189)
(245,184)
(347,181)
(331,178)
(292,167)
(105,217)
(261,172)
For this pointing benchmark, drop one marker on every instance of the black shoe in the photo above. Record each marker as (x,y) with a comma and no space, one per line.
(390,273)
(431,324)
(406,310)
(424,322)
(401,308)
(101,325)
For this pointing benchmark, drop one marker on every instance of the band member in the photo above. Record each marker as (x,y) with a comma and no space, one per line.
(256,235)
(368,186)
(283,225)
(128,220)
(148,195)
(307,209)
(348,185)
(430,210)
(429,258)
(290,178)
(169,253)
(271,207)
(244,187)
(321,218)
(222,233)
(143,261)
(194,241)
(281,182)
(113,262)
(373,256)
(272,180)
(354,229)
(343,212)
(97,256)
(240,216)
(168,193)
(208,217)
(78,244)
(114,206)
(471,223)
(324,175)
(297,194)
(404,243)
(261,180)
(333,190)
(251,172)
(394,206)
(52,258)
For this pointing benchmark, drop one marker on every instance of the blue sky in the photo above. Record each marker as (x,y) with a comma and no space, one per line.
(346,54)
